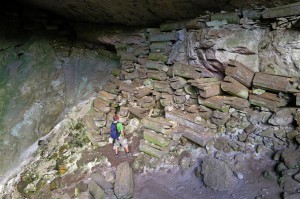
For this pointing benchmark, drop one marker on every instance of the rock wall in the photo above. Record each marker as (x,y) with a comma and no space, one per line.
(40,79)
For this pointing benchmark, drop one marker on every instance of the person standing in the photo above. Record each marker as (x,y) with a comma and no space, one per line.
(118,135)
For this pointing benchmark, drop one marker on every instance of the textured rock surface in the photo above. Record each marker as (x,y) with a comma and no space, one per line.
(217,174)
(43,81)
(136,12)
(124,181)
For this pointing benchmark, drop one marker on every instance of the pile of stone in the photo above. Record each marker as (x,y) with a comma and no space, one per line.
(281,17)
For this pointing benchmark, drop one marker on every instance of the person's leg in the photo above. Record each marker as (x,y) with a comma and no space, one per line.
(124,144)
(116,150)
(116,146)
(126,149)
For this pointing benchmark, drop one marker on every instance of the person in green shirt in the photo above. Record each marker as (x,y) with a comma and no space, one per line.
(121,140)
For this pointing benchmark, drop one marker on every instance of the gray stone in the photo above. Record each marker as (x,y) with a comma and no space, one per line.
(124,181)
(290,185)
(282,117)
(217,174)
(100,180)
(96,190)
(219,117)
(162,86)
(85,195)
(270,175)
(291,158)
(292,196)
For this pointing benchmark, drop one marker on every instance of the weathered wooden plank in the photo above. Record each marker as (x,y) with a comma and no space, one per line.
(235,88)
(184,119)
(282,11)
(172,26)
(209,91)
(240,72)
(223,103)
(186,71)
(162,86)
(201,138)
(170,36)
(208,87)
(231,18)
(267,100)
(297,99)
(161,47)
(274,82)
(215,102)
(158,57)
(157,75)
(150,150)
(155,65)
(158,125)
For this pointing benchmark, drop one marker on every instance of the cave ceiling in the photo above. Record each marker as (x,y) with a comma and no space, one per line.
(142,12)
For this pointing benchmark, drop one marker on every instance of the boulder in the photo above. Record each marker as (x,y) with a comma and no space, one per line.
(100,180)
(282,117)
(291,158)
(217,174)
(124,181)
(96,190)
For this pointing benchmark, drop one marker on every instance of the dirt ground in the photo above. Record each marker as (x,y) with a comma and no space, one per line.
(178,184)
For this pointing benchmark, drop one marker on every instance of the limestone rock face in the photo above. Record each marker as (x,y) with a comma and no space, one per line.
(217,174)
(280,55)
(37,86)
